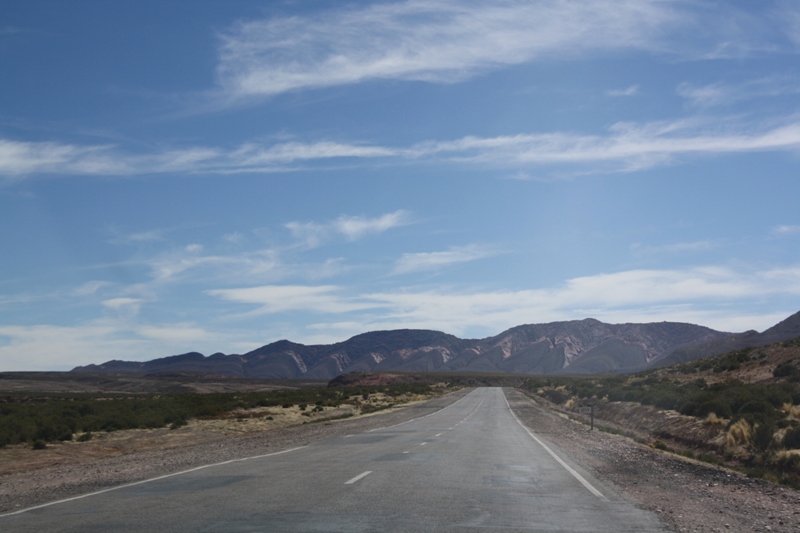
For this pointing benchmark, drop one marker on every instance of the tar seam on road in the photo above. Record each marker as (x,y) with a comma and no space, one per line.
(556,457)
(362,475)
(148,481)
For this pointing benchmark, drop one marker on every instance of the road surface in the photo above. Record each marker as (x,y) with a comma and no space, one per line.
(469,467)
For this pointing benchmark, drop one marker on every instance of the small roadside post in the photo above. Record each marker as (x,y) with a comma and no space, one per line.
(588,409)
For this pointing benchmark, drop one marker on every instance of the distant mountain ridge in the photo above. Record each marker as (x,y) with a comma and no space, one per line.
(575,347)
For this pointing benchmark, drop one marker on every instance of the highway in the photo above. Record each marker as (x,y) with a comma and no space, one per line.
(469,467)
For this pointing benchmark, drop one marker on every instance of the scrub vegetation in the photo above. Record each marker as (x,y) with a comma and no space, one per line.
(741,408)
(41,418)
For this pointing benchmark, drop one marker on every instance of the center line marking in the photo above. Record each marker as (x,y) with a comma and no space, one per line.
(423,444)
(437,434)
(362,475)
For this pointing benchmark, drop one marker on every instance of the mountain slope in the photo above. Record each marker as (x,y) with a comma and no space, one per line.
(784,330)
(575,347)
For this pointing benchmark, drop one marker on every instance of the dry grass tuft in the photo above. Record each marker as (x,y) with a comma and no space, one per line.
(793,411)
(713,420)
(738,434)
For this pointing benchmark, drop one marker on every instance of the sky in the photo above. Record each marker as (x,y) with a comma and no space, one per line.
(214,176)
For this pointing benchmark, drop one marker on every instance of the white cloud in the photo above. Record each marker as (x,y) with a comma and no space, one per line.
(628,91)
(786,230)
(234,238)
(437,41)
(415,262)
(91,287)
(355,227)
(627,147)
(624,147)
(719,93)
(130,305)
(351,227)
(19,159)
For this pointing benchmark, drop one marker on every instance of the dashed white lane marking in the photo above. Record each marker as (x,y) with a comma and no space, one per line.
(347,436)
(423,443)
(438,434)
(557,458)
(148,481)
(449,429)
(360,476)
(405,452)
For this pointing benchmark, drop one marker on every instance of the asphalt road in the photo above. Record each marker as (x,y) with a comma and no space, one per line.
(469,467)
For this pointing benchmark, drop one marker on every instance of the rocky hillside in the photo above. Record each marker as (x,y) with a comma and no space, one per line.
(575,347)
(784,330)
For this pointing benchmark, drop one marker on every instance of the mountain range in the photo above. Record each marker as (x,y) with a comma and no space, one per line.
(575,347)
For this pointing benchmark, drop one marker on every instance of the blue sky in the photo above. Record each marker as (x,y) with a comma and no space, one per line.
(214,176)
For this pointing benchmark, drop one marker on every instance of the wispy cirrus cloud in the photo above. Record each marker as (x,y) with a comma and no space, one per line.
(423,261)
(628,91)
(19,159)
(349,226)
(624,147)
(437,41)
(720,93)
(785,230)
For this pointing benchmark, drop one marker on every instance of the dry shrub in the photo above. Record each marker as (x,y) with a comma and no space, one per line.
(738,434)
(713,420)
(570,403)
(793,411)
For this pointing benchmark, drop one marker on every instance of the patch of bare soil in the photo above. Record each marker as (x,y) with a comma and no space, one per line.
(689,495)
(29,477)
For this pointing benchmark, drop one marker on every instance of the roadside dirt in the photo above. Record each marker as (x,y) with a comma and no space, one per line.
(21,458)
(689,495)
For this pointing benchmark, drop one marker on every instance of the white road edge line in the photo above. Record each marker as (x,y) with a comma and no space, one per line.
(556,457)
(362,475)
(148,481)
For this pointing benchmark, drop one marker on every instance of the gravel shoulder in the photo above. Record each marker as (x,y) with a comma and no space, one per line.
(25,488)
(689,495)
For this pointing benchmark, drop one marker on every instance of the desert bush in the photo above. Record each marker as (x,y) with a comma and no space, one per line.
(555,396)
(763,437)
(791,440)
(85,437)
(39,444)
